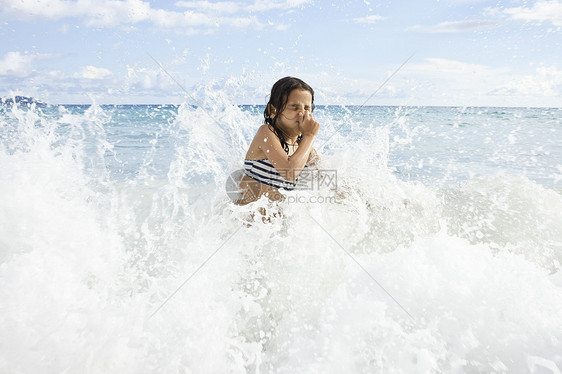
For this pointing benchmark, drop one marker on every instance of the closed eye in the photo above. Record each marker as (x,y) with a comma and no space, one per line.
(298,107)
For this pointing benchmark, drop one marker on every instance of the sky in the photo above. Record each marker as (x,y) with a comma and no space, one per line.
(462,52)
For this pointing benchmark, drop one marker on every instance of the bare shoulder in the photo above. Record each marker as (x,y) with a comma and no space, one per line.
(265,129)
(265,137)
(255,152)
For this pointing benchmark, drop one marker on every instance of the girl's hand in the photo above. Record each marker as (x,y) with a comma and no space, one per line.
(307,124)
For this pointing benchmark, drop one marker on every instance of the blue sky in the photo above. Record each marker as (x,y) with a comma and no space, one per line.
(466,52)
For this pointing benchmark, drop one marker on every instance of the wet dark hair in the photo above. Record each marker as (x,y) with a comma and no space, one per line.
(278,100)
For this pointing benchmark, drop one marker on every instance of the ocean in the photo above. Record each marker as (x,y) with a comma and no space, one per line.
(429,240)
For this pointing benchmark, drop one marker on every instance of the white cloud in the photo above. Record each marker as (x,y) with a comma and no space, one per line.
(109,13)
(56,75)
(441,81)
(441,65)
(231,7)
(144,80)
(368,19)
(265,5)
(542,11)
(206,6)
(455,26)
(92,72)
(546,81)
(20,65)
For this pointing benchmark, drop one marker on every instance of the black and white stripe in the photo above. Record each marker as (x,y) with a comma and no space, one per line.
(264,172)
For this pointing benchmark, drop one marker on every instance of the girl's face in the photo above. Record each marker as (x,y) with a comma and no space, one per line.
(298,101)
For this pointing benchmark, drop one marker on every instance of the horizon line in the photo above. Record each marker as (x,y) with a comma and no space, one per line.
(41,103)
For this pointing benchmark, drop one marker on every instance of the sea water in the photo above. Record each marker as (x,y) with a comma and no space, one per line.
(428,240)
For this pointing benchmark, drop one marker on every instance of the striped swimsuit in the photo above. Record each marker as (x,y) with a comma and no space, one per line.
(264,172)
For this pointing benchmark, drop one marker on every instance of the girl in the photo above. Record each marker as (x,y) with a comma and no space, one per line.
(282,146)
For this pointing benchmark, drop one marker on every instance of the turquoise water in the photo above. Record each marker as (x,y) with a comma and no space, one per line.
(434,145)
(437,250)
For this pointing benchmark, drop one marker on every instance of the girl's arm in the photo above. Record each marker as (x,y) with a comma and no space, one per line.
(289,167)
